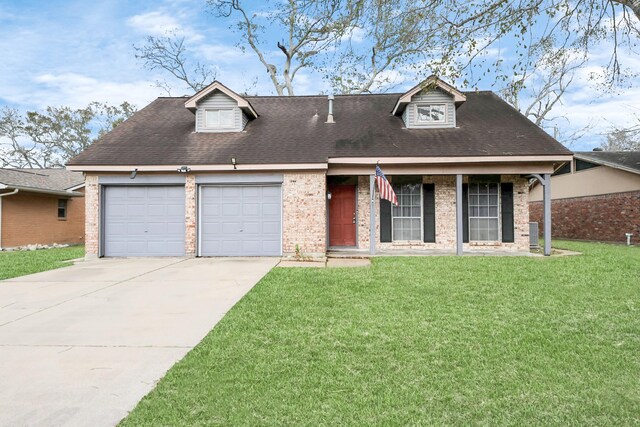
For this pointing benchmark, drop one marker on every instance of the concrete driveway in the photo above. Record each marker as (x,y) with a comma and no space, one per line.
(83,344)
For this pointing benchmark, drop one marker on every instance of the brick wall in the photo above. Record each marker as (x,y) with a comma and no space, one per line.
(32,218)
(190,191)
(602,218)
(92,215)
(445,195)
(304,213)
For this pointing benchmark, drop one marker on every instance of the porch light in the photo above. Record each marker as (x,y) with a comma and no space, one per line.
(184,169)
(234,162)
(133,173)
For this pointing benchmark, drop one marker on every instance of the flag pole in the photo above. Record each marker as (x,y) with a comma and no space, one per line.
(372,215)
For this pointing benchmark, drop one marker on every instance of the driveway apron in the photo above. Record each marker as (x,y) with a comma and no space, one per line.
(82,345)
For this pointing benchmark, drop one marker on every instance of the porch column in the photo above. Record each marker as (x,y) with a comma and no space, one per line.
(372,216)
(459,214)
(547,213)
(545,180)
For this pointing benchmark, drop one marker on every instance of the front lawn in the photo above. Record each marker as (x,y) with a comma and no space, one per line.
(20,263)
(421,341)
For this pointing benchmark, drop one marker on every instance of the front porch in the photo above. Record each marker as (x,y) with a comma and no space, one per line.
(437,215)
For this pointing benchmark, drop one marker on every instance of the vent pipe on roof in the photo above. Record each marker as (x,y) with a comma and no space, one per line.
(330,115)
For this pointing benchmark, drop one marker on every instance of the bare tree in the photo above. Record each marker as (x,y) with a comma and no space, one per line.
(169,53)
(52,137)
(623,139)
(579,25)
(308,28)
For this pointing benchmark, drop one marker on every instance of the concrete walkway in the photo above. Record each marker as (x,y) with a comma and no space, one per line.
(80,346)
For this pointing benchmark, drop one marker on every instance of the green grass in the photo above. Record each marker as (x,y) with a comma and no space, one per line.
(421,341)
(20,263)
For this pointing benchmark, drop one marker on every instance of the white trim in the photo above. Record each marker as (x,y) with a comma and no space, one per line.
(431,80)
(76,187)
(200,168)
(220,125)
(421,239)
(445,160)
(216,85)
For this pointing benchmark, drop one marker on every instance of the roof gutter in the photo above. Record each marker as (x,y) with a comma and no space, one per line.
(200,168)
(15,191)
(448,160)
(64,193)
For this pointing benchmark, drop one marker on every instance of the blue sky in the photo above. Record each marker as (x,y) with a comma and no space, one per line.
(66,53)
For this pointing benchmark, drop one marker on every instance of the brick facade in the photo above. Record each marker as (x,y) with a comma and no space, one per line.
(304,221)
(190,191)
(32,218)
(602,218)
(304,214)
(92,216)
(445,197)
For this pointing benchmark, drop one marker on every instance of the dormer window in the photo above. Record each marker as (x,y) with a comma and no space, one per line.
(431,113)
(219,109)
(430,105)
(219,119)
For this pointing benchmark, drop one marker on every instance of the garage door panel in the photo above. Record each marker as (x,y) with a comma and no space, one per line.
(174,210)
(132,192)
(231,192)
(271,227)
(231,209)
(153,224)
(254,228)
(271,209)
(231,228)
(251,209)
(240,220)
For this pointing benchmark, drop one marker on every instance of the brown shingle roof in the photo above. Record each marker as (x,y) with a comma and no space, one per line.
(41,179)
(293,130)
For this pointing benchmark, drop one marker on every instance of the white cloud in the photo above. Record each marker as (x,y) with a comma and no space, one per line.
(162,23)
(77,90)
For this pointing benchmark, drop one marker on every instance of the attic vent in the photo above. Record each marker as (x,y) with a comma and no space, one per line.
(330,115)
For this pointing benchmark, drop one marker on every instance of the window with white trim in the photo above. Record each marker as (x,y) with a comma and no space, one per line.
(218,119)
(407,216)
(484,211)
(431,113)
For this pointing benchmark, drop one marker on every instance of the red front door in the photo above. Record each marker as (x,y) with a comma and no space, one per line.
(342,215)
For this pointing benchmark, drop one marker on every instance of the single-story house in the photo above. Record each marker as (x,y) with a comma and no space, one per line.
(41,206)
(595,197)
(220,174)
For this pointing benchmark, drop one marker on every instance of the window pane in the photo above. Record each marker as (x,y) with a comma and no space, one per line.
(484,216)
(431,113)
(212,118)
(226,118)
(407,217)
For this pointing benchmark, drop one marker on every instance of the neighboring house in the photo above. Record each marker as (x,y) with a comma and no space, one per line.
(41,206)
(595,197)
(219,174)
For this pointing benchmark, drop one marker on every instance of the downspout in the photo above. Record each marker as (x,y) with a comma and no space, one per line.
(1,196)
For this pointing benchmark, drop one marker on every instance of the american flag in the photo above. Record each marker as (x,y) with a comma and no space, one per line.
(384,188)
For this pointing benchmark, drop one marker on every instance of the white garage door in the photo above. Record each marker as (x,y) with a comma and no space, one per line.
(240,220)
(144,221)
